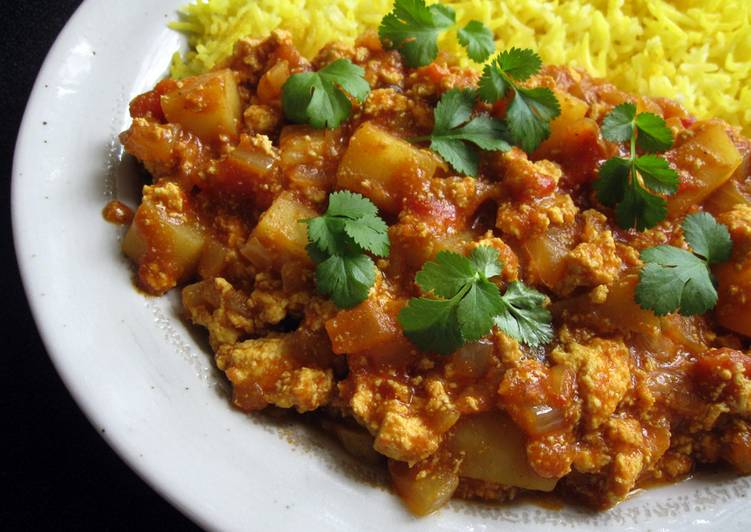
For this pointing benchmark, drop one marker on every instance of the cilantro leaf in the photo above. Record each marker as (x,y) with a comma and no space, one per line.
(532,109)
(431,324)
(351,205)
(519,63)
(453,109)
(325,233)
(634,185)
(529,116)
(708,238)
(349,215)
(638,208)
(524,316)
(317,98)
(675,279)
(413,29)
(445,276)
(471,304)
(498,76)
(657,174)
(477,308)
(492,85)
(654,135)
(618,125)
(338,241)
(612,181)
(370,233)
(346,278)
(452,140)
(478,40)
(485,260)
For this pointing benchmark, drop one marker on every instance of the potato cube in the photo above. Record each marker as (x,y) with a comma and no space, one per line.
(366,326)
(423,491)
(206,105)
(726,197)
(376,164)
(280,230)
(250,170)
(547,252)
(734,306)
(495,451)
(707,161)
(165,248)
(572,109)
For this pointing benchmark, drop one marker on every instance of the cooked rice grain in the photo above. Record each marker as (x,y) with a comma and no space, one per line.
(695,51)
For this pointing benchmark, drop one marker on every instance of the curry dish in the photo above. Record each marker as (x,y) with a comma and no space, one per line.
(618,397)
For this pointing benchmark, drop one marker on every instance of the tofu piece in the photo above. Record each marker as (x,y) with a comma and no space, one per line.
(269,371)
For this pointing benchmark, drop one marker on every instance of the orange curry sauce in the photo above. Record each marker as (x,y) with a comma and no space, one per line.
(619,399)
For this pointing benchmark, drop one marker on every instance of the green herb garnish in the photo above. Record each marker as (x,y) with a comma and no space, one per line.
(634,185)
(319,98)
(468,304)
(531,110)
(478,40)
(524,317)
(675,279)
(338,243)
(454,134)
(413,29)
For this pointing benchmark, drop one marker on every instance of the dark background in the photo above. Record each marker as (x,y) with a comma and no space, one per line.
(57,472)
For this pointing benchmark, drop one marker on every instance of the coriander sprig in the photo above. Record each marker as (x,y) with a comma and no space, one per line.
(634,185)
(532,109)
(675,279)
(413,29)
(338,243)
(454,134)
(467,304)
(320,98)
(478,40)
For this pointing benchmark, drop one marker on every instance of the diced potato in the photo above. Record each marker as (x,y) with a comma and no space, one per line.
(170,247)
(572,109)
(280,230)
(619,311)
(495,451)
(306,160)
(574,142)
(423,492)
(726,197)
(206,105)
(377,163)
(734,306)
(366,326)
(213,259)
(547,251)
(270,85)
(356,441)
(709,158)
(250,170)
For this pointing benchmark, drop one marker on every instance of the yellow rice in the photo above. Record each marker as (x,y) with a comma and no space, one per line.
(695,51)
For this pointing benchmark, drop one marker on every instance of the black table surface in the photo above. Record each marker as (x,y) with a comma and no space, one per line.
(58,473)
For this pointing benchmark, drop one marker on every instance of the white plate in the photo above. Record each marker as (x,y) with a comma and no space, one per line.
(141,375)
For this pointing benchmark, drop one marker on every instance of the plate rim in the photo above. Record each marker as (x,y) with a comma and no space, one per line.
(179,499)
(119,445)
